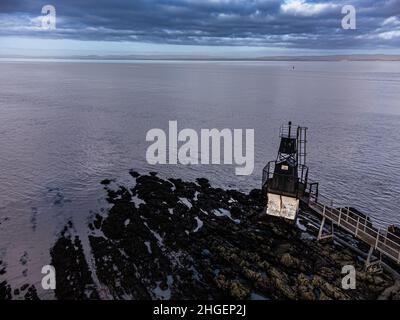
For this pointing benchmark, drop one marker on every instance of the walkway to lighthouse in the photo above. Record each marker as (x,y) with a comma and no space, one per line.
(287,178)
(383,241)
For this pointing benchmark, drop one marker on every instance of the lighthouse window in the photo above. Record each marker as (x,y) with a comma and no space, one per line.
(285,167)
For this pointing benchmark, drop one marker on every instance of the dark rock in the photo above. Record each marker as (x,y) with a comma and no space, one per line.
(5,291)
(394,234)
(395,230)
(134,174)
(31,294)
(106,181)
(24,287)
(204,183)
(73,277)
(171,239)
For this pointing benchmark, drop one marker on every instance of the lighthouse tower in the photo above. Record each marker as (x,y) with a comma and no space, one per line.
(285,179)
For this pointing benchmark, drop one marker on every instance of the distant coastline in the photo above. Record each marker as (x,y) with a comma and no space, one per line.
(333,58)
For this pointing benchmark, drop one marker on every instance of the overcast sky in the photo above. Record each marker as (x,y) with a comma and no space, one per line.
(206,27)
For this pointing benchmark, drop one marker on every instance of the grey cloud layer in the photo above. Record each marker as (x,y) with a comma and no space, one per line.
(290,24)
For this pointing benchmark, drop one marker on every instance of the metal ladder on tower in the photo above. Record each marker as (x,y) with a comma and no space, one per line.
(301,145)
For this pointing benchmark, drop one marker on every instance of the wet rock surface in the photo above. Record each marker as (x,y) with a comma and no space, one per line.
(73,278)
(5,289)
(25,292)
(171,239)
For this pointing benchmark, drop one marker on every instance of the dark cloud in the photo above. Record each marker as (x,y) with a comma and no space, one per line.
(289,24)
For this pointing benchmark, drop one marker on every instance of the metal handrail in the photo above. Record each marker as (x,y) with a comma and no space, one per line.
(268,173)
(284,131)
(384,240)
(353,222)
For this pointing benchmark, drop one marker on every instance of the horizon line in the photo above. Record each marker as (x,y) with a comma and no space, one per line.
(197,57)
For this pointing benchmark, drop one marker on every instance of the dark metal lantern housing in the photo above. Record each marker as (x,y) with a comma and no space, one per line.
(285,179)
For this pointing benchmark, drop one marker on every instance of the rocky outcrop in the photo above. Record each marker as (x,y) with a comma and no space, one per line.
(170,239)
(5,289)
(73,278)
(391,293)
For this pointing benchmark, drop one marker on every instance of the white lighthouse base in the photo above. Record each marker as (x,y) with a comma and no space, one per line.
(281,206)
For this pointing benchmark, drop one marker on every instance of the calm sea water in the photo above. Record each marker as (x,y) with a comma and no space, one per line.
(65,126)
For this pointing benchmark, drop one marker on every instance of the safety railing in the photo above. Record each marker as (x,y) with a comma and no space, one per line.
(288,131)
(359,226)
(269,173)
